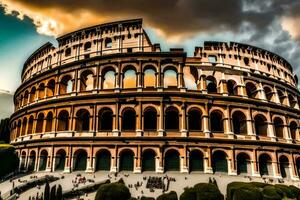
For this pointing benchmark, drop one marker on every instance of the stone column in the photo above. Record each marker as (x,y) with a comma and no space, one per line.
(231,163)
(208,161)
(161,130)
(276,97)
(118,78)
(184,167)
(114,160)
(223,85)
(181,84)
(227,122)
(89,164)
(250,130)
(160,166)
(183,121)
(160,84)
(270,129)
(255,164)
(69,160)
(49,163)
(137,163)
(116,129)
(203,84)
(261,92)
(294,173)
(139,120)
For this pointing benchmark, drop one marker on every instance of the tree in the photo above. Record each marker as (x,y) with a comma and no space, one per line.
(4,130)
(11,160)
(47,191)
(53,193)
(59,193)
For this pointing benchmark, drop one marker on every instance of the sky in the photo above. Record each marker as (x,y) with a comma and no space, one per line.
(25,25)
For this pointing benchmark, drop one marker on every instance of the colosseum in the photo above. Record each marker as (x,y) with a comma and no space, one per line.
(106,98)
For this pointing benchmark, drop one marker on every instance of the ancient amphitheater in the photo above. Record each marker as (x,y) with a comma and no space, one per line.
(108,99)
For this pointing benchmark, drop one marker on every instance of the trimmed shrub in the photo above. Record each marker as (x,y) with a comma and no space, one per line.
(59,193)
(295,191)
(53,193)
(189,194)
(168,196)
(113,191)
(284,191)
(247,194)
(147,198)
(47,192)
(269,193)
(208,191)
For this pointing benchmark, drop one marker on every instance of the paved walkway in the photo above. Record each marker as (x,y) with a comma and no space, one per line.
(181,181)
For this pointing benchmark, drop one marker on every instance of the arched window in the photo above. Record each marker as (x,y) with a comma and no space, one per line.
(232,88)
(211,85)
(265,165)
(269,93)
(41,91)
(40,123)
(171,119)
(51,88)
(19,125)
(68,52)
(66,85)
(43,160)
(243,163)
(190,75)
(129,80)
(278,126)
(219,162)
(281,96)
(216,121)
(63,121)
(170,78)
(105,119)
(292,100)
(251,90)
(30,125)
(194,119)
(24,125)
(82,120)
(239,123)
(150,119)
(26,97)
(86,81)
(148,160)
(196,161)
(293,130)
(31,161)
(49,121)
(23,161)
(60,160)
(109,79)
(32,95)
(87,46)
(261,125)
(172,160)
(284,166)
(80,160)
(126,160)
(128,119)
(149,78)
(108,43)
(103,159)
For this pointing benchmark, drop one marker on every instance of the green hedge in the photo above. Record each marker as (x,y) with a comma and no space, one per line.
(113,191)
(168,196)
(261,191)
(202,191)
(9,161)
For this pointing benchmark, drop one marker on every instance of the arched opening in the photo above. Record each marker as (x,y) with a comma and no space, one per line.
(60,160)
(216,121)
(196,161)
(281,96)
(150,119)
(49,121)
(211,85)
(292,100)
(51,88)
(239,122)
(243,163)
(24,125)
(108,43)
(126,160)
(148,160)
(31,161)
(30,125)
(63,121)
(109,79)
(68,52)
(190,76)
(128,119)
(194,119)
(172,160)
(171,119)
(103,159)
(261,125)
(219,162)
(298,166)
(87,46)
(284,166)
(19,125)
(251,90)
(23,161)
(105,119)
(41,90)
(149,78)
(40,123)
(170,78)
(293,130)
(278,126)
(82,120)
(129,79)
(232,88)
(86,81)
(26,95)
(265,165)
(66,85)
(32,95)
(80,160)
(269,93)
(43,160)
